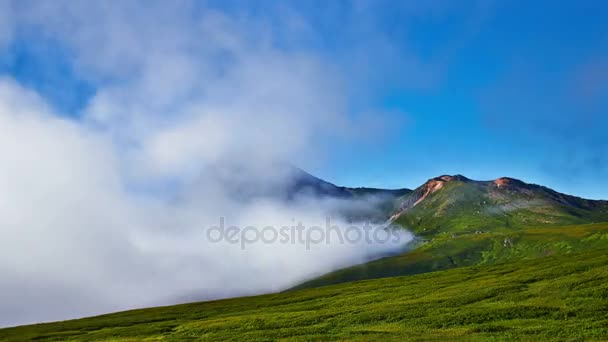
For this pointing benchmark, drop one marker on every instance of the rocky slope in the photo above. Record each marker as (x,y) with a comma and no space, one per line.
(461,222)
(456,203)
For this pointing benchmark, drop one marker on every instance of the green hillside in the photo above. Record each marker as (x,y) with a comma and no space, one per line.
(551,298)
(456,204)
(497,260)
(447,251)
(461,222)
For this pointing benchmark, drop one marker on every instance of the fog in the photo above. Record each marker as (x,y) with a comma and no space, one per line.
(110,208)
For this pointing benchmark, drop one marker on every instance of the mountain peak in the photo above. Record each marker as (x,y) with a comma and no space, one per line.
(507,182)
(448,178)
(457,203)
(431,186)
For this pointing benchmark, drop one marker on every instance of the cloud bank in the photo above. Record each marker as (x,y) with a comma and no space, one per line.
(107,209)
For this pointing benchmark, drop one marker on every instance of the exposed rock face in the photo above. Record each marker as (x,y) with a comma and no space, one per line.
(429,188)
(493,201)
(459,178)
(510,183)
(420,194)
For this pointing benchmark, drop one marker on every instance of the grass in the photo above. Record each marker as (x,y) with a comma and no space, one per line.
(488,265)
(446,251)
(469,206)
(559,297)
(469,223)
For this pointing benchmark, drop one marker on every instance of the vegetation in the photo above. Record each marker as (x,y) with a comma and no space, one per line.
(461,222)
(450,250)
(563,297)
(499,260)
(468,206)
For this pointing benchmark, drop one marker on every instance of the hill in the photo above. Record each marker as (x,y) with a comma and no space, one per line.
(462,222)
(457,204)
(448,251)
(552,298)
(282,181)
(301,182)
(498,259)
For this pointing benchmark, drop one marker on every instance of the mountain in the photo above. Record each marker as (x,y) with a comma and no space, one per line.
(370,204)
(495,260)
(462,222)
(457,204)
(290,185)
(302,183)
(283,181)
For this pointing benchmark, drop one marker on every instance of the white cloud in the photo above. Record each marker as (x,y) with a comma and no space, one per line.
(180,90)
(74,242)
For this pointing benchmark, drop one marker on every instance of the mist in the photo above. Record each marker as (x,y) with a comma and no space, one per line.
(109,208)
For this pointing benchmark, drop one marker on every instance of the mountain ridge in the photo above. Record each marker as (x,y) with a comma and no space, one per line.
(462,222)
(502,196)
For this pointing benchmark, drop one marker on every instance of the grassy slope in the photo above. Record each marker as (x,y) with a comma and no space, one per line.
(447,251)
(469,206)
(555,297)
(541,271)
(475,223)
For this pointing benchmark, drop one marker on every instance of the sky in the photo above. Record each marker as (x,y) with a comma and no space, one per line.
(481,88)
(124,126)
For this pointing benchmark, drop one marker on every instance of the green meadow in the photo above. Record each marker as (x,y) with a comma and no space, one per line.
(487,264)
(555,297)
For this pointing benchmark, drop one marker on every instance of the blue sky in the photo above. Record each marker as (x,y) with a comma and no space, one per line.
(112,110)
(485,89)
